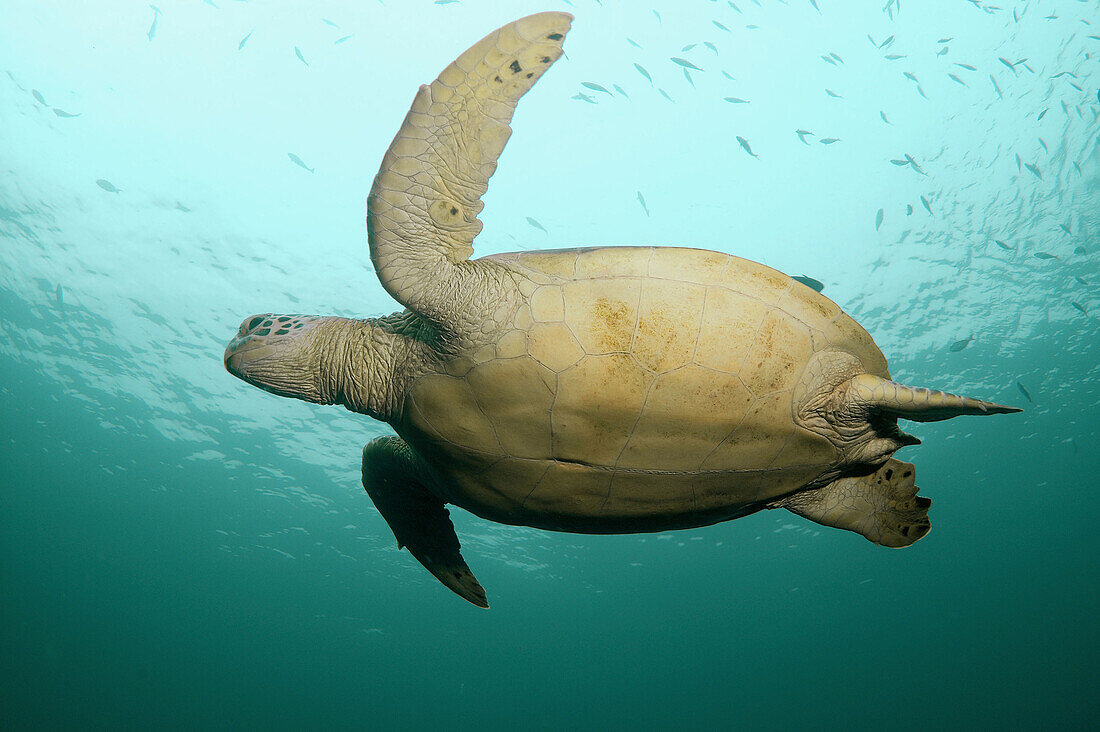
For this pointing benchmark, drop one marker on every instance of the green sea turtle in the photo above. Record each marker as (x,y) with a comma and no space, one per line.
(600,390)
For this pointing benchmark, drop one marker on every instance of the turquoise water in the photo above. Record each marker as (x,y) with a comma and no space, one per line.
(179,549)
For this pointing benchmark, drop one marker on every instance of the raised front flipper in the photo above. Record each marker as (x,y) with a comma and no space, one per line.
(417,517)
(883,505)
(423,207)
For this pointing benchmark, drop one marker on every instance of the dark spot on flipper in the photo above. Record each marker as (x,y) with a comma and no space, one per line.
(907,473)
(530,74)
(555,36)
(889,474)
(453,210)
(498,80)
(515,67)
(545,59)
(905,530)
(923,502)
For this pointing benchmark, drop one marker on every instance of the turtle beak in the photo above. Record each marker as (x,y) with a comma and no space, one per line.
(247,346)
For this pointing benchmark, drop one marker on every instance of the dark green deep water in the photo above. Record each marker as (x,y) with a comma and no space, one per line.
(180,550)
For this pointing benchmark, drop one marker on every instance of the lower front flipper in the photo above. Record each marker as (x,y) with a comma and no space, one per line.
(417,516)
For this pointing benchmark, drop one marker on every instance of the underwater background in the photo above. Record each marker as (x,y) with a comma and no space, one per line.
(181,550)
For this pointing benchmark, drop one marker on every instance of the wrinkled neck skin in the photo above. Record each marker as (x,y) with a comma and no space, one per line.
(325,360)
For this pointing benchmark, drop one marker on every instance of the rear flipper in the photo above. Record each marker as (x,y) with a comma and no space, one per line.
(417,517)
(883,505)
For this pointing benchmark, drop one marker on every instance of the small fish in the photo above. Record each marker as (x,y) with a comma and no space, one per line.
(943,51)
(745,146)
(927,206)
(719,26)
(920,90)
(581,96)
(1081,279)
(1079,249)
(153,28)
(689,79)
(887,42)
(632,42)
(59,295)
(38,97)
(181,207)
(946,40)
(814,3)
(1075,165)
(730,3)
(1042,114)
(955,78)
(968,67)
(833,94)
(736,100)
(328,22)
(622,91)
(1034,169)
(711,46)
(537,225)
(1019,164)
(884,119)
(1044,255)
(1082,308)
(687,48)
(1024,391)
(838,58)
(908,210)
(802,135)
(342,39)
(595,87)
(727,75)
(643,72)
(107,186)
(911,76)
(664,94)
(1004,246)
(63,113)
(960,345)
(829,140)
(828,60)
(245,40)
(1007,63)
(810,282)
(899,163)
(298,53)
(684,62)
(1044,144)
(298,161)
(894,56)
(996,87)
(879,216)
(1065,228)
(658,16)
(913,164)
(641,200)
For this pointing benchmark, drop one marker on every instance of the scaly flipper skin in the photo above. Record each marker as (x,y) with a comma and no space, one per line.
(423,207)
(883,505)
(417,517)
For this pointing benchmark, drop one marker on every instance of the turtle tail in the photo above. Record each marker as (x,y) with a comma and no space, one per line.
(918,405)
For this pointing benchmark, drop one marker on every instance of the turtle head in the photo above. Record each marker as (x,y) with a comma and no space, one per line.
(287,355)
